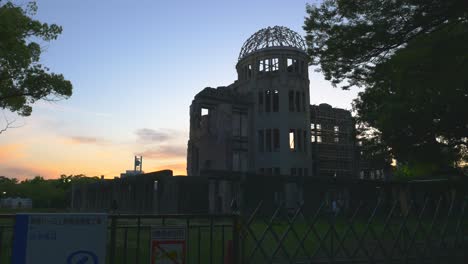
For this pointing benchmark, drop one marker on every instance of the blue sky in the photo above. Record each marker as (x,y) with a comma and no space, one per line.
(135,67)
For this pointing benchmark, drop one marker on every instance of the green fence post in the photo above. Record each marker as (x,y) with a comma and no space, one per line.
(112,239)
(235,239)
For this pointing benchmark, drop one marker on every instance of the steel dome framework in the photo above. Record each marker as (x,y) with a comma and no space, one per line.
(276,36)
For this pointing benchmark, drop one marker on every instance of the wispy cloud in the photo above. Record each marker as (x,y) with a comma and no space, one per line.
(87,140)
(148,135)
(164,152)
(26,172)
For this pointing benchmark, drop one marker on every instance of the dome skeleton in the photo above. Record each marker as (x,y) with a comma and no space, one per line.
(276,36)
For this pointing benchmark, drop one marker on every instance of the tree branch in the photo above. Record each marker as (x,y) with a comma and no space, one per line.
(8,124)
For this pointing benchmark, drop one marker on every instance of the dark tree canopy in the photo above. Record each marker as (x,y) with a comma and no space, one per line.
(45,193)
(348,38)
(23,79)
(411,56)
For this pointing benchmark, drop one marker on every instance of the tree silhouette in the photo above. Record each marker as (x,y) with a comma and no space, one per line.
(23,79)
(412,60)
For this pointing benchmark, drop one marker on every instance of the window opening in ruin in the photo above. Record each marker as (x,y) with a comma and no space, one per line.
(290,64)
(205,111)
(267,101)
(236,124)
(291,101)
(267,63)
(207,164)
(261,141)
(312,138)
(235,161)
(299,139)
(298,101)
(318,126)
(319,139)
(261,66)
(292,141)
(276,171)
(243,124)
(243,161)
(303,102)
(296,66)
(312,126)
(274,65)
(155,185)
(276,140)
(260,101)
(336,129)
(249,71)
(268,140)
(337,139)
(293,171)
(275,101)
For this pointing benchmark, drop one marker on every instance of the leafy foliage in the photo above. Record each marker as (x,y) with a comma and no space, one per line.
(349,38)
(419,99)
(51,193)
(23,80)
(411,57)
(374,152)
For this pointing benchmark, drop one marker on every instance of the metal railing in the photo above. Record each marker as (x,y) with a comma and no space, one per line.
(208,237)
(395,227)
(432,231)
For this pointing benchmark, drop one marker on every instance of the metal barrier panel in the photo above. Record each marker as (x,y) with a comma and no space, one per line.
(209,237)
(434,230)
(431,227)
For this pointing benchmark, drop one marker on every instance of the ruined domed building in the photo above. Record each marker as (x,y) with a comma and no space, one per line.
(261,122)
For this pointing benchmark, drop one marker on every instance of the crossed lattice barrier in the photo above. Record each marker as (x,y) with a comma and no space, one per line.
(434,231)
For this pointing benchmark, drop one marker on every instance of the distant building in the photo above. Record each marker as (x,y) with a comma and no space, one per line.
(155,192)
(16,203)
(333,142)
(137,168)
(129,173)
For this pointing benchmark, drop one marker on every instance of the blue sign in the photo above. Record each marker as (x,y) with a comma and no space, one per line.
(82,257)
(60,238)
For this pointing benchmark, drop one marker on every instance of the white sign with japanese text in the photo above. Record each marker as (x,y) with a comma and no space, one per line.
(60,239)
(168,244)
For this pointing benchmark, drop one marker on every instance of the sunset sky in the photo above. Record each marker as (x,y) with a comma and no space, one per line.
(135,67)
